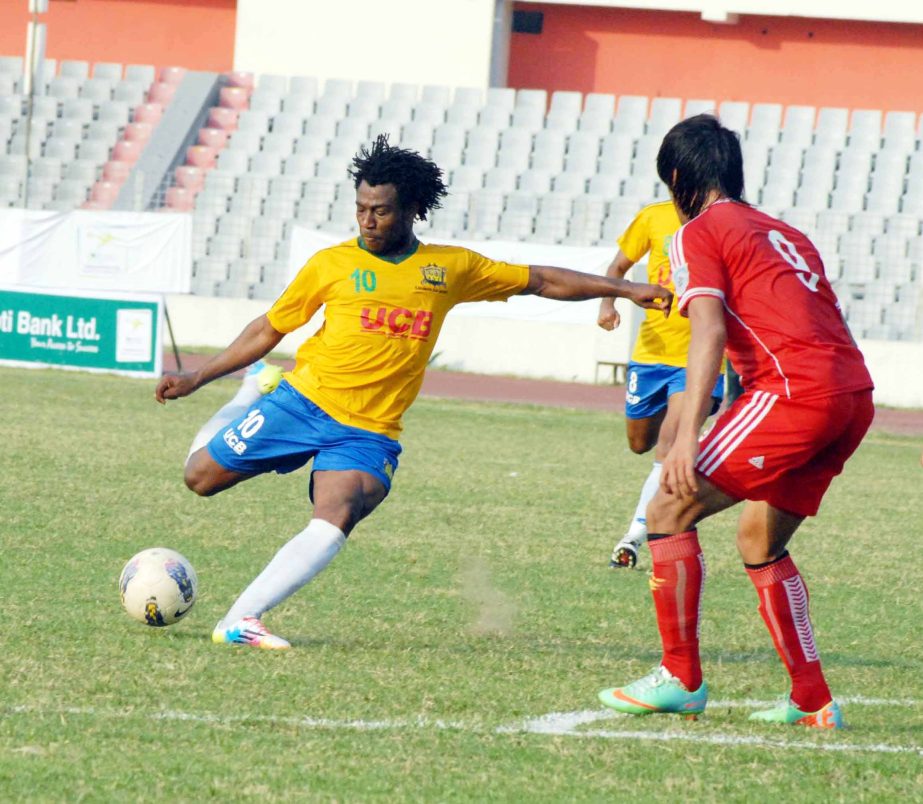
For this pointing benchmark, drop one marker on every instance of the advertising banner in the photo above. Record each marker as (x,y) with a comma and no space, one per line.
(118,333)
(144,252)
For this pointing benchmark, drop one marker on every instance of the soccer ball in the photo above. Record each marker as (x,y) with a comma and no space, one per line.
(158,586)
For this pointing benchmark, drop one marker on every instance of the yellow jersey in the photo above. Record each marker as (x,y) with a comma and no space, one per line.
(382,315)
(660,340)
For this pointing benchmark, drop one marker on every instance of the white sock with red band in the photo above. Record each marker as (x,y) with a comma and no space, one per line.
(296,563)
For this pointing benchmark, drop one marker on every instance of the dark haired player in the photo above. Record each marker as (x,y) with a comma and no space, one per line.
(385,296)
(754,285)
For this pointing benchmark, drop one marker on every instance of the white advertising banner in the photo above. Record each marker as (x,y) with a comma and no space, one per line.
(89,250)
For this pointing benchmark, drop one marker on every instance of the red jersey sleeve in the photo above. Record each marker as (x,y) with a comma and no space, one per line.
(698,269)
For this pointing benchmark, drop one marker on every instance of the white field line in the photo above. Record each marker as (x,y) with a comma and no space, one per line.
(561,724)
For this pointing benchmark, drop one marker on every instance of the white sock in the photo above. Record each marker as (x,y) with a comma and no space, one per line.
(247,394)
(296,563)
(637,531)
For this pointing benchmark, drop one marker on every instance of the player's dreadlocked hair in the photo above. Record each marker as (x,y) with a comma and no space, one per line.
(699,155)
(416,179)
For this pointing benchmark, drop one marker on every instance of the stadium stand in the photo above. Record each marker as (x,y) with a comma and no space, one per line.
(271,152)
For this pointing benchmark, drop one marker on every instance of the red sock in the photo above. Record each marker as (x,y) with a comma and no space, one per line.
(676,583)
(784,608)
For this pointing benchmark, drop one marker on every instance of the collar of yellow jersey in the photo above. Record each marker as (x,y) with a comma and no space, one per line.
(393,258)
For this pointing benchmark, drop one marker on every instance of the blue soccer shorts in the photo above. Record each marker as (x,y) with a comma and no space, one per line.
(650,385)
(284,430)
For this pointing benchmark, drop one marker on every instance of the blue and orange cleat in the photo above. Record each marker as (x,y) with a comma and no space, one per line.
(658,692)
(248,631)
(828,716)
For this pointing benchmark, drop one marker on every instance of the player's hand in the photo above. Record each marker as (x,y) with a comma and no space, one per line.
(678,476)
(174,386)
(651,297)
(609,318)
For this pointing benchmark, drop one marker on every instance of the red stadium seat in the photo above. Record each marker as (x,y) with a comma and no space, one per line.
(190,177)
(181,199)
(138,132)
(171,75)
(161,93)
(241,79)
(95,205)
(220,117)
(116,171)
(201,156)
(234,98)
(148,113)
(127,151)
(105,192)
(215,138)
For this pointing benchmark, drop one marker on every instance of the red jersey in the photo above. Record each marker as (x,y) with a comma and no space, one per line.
(785,331)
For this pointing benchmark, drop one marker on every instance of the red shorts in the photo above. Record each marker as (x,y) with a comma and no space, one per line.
(767,447)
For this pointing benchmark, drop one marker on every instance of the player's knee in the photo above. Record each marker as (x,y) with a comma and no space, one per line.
(198,480)
(639,443)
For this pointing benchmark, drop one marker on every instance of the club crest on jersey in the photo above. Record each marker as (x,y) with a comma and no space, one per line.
(433,278)
(680,279)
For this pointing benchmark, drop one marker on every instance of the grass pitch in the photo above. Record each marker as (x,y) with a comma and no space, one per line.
(453,651)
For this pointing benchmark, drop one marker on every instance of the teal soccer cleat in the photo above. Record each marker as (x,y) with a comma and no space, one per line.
(827,717)
(658,692)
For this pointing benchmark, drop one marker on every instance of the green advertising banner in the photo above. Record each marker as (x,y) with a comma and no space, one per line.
(99,332)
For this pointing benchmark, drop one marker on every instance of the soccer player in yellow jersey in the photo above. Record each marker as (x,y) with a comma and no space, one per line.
(657,370)
(385,296)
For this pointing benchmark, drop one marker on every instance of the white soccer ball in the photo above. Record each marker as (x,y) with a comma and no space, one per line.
(158,586)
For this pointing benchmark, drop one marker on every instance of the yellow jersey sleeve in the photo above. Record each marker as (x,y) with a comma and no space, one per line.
(488,280)
(635,241)
(301,299)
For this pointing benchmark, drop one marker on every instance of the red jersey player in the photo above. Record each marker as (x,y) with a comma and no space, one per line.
(755,286)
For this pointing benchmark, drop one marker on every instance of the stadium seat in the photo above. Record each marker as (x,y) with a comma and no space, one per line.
(180,199)
(162,93)
(403,93)
(699,106)
(436,94)
(664,114)
(96,90)
(232,97)
(110,71)
(171,75)
(535,181)
(202,156)
(215,138)
(147,113)
(140,73)
(530,118)
(735,115)
(116,172)
(504,97)
(599,104)
(141,132)
(501,178)
(75,69)
(242,79)
(222,117)
(466,179)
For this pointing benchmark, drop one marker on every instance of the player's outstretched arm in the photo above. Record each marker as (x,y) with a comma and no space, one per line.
(566,285)
(256,340)
(609,317)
